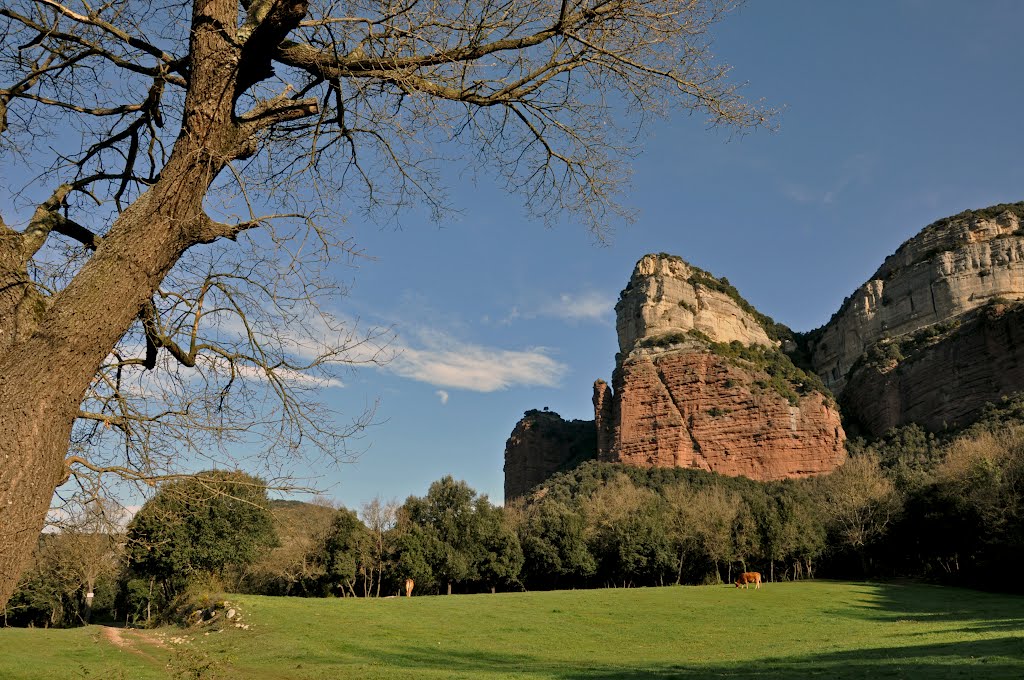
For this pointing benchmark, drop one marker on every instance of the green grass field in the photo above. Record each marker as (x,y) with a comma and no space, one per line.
(790,630)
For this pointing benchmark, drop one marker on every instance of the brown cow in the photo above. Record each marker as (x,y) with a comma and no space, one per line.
(408,587)
(749,577)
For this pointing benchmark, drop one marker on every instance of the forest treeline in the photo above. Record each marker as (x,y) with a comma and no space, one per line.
(911,504)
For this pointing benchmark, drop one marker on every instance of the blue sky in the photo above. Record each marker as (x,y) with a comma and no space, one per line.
(896,113)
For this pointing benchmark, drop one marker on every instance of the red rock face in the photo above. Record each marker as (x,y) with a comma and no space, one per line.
(694,409)
(945,383)
(674,402)
(604,422)
(542,444)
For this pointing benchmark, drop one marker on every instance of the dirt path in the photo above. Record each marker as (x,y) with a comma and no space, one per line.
(113,635)
(132,640)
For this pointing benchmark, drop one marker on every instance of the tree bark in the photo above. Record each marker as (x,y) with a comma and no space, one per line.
(46,368)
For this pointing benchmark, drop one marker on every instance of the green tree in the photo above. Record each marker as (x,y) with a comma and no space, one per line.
(554,544)
(713,513)
(199,526)
(347,552)
(460,536)
(500,557)
(296,565)
(41,598)
(411,556)
(802,536)
(192,113)
(626,533)
(860,503)
(447,515)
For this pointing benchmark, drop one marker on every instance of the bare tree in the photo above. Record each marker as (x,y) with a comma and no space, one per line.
(91,545)
(860,503)
(380,518)
(159,133)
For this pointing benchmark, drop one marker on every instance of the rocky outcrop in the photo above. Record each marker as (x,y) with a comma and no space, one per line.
(691,407)
(604,420)
(542,444)
(700,381)
(942,376)
(951,267)
(666,296)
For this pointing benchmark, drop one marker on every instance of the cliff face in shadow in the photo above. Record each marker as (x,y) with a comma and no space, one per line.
(542,444)
(941,376)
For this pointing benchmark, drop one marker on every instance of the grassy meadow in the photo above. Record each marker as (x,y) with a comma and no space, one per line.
(787,630)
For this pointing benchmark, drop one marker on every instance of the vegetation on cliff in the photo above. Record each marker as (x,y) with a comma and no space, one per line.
(776,331)
(779,372)
(989,213)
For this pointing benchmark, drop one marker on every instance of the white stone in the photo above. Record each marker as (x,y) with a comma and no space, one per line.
(939,274)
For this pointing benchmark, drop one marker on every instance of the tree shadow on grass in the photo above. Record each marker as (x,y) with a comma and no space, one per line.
(978,612)
(995,658)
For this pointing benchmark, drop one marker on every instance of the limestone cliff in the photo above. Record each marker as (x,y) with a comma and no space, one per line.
(700,382)
(950,268)
(542,444)
(941,376)
(666,296)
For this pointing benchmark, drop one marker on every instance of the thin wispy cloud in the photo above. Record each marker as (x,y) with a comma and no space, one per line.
(443,361)
(855,170)
(287,375)
(588,306)
(443,395)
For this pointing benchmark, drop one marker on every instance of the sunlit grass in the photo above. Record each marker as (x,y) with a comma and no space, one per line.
(33,653)
(810,629)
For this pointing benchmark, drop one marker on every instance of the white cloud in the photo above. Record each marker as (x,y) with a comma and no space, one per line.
(443,361)
(569,307)
(287,375)
(443,395)
(587,306)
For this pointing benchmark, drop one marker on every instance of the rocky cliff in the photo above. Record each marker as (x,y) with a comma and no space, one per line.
(666,296)
(700,381)
(542,444)
(951,267)
(692,407)
(941,376)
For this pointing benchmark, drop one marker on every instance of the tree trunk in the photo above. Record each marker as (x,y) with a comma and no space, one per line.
(44,378)
(46,368)
(90,585)
(449,587)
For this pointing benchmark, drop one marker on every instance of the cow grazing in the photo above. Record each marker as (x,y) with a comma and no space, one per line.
(749,577)
(408,587)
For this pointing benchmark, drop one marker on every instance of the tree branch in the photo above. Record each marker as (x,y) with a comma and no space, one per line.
(267,23)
